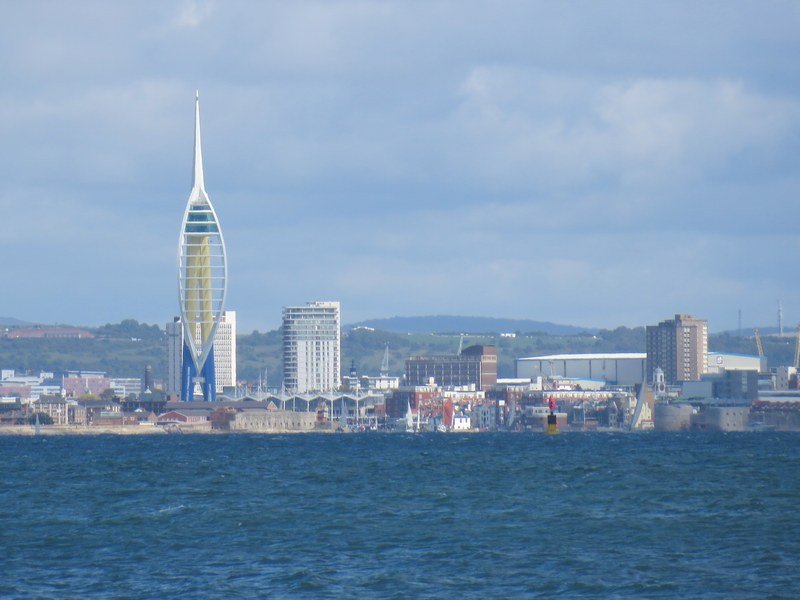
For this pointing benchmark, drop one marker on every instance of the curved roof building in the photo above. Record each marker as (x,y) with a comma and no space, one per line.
(618,368)
(202,280)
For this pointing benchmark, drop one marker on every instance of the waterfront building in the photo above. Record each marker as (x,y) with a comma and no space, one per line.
(785,378)
(224,354)
(462,422)
(202,282)
(270,420)
(56,408)
(679,347)
(614,368)
(312,347)
(722,418)
(84,383)
(27,387)
(413,397)
(126,386)
(372,383)
(475,365)
(96,410)
(186,416)
(484,417)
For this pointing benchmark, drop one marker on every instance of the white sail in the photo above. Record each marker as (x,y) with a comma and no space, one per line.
(643,413)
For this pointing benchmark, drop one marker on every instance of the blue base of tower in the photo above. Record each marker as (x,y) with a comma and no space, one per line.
(189,373)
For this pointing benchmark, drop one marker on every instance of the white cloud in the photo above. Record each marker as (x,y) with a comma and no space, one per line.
(521,127)
(193,13)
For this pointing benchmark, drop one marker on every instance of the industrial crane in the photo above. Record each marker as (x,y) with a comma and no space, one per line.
(797,349)
(762,362)
(758,343)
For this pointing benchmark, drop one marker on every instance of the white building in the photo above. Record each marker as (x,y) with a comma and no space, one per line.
(312,347)
(783,375)
(126,386)
(461,423)
(224,353)
(719,362)
(613,368)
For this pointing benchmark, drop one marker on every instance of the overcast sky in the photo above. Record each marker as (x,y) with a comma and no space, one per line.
(589,163)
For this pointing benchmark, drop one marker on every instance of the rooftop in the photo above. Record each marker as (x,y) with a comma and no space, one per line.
(600,356)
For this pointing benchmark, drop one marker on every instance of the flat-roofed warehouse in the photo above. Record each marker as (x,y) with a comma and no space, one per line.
(622,368)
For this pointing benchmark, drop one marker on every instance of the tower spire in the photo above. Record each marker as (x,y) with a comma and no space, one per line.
(198,153)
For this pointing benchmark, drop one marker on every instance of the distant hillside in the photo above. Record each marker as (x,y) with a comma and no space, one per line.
(452,324)
(123,349)
(12,322)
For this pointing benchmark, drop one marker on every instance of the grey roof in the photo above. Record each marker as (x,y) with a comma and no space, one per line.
(212,406)
(188,412)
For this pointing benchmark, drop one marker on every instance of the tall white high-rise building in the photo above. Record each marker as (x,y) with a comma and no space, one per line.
(224,353)
(312,347)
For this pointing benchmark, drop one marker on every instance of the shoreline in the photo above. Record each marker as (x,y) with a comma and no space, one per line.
(50,430)
(133,430)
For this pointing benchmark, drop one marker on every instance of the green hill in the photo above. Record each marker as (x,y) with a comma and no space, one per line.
(455,324)
(124,349)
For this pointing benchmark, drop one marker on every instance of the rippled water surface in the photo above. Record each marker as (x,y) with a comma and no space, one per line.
(498,515)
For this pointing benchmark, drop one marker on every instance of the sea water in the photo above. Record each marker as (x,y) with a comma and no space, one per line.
(372,515)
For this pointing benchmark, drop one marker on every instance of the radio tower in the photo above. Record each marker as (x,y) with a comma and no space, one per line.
(780,319)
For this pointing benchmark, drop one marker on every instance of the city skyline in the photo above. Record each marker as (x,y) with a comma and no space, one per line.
(597,166)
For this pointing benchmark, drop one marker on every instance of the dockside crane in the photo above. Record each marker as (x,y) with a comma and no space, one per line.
(760,347)
(797,349)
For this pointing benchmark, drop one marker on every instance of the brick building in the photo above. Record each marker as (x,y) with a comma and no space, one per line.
(476,365)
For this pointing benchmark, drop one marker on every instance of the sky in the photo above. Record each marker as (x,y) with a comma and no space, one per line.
(595,164)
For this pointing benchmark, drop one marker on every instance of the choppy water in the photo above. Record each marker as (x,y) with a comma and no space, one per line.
(498,515)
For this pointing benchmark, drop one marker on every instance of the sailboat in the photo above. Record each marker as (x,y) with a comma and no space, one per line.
(37,426)
(409,419)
